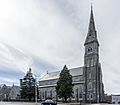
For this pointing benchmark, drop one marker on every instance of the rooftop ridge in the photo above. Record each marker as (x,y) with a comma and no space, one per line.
(68,69)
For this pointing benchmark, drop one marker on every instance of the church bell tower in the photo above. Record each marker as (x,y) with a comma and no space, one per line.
(92,68)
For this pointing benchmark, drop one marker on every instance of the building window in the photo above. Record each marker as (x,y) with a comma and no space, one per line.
(73,94)
(51,93)
(90,49)
(80,95)
(91,96)
(92,62)
(40,95)
(89,75)
(45,94)
(88,96)
(81,91)
(90,86)
(88,63)
(94,90)
(77,94)
(81,88)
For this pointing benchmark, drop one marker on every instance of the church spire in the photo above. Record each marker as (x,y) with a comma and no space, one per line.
(92,23)
(92,35)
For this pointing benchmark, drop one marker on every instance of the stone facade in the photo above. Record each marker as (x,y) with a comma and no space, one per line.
(87,80)
(48,82)
(92,68)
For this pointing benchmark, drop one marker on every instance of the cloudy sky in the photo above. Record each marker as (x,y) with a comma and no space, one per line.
(46,34)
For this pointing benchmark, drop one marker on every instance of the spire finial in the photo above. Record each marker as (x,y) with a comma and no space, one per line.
(91,5)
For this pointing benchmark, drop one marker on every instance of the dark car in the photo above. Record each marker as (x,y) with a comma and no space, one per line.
(48,102)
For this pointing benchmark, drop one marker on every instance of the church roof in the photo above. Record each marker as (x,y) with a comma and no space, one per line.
(15,88)
(1,85)
(55,75)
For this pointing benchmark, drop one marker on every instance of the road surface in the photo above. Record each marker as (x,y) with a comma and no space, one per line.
(17,103)
(25,103)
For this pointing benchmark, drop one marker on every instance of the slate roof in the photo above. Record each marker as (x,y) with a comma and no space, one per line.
(1,85)
(55,75)
(92,35)
(16,90)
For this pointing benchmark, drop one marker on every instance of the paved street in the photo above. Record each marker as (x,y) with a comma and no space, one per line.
(25,103)
(17,103)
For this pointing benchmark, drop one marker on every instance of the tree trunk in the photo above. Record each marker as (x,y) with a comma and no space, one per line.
(65,99)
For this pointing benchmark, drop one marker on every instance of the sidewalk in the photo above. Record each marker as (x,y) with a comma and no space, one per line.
(68,104)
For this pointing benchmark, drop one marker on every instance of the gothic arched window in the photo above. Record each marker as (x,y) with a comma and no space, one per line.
(81,91)
(90,86)
(89,75)
(51,93)
(45,94)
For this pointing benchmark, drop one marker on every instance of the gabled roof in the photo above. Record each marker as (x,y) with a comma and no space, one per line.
(55,75)
(1,85)
(15,88)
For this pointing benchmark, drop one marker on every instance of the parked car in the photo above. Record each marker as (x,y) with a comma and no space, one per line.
(48,102)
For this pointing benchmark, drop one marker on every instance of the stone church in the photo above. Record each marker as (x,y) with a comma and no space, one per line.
(87,80)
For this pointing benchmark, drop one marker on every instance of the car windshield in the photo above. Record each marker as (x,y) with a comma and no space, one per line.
(49,100)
